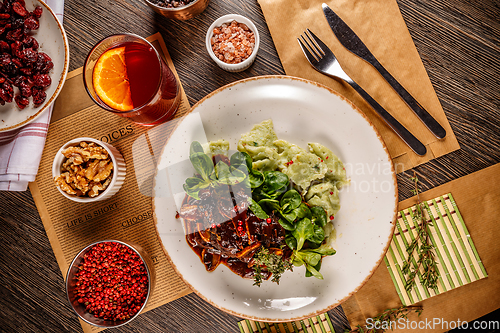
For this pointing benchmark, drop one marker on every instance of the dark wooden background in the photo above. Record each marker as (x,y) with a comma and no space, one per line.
(458,41)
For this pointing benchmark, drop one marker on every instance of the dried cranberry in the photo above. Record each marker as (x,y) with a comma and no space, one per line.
(31,23)
(4,47)
(26,70)
(25,90)
(4,16)
(38,12)
(28,56)
(6,92)
(10,69)
(14,34)
(17,23)
(19,9)
(38,97)
(17,62)
(4,59)
(30,42)
(48,66)
(15,47)
(21,101)
(41,80)
(18,80)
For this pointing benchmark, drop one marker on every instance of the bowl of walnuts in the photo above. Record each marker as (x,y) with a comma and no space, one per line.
(88,170)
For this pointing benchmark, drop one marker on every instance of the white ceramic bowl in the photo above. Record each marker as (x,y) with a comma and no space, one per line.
(53,41)
(228,19)
(119,170)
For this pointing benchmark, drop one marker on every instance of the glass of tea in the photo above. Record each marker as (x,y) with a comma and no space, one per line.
(124,74)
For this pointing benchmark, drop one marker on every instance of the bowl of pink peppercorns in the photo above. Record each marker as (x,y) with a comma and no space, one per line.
(109,282)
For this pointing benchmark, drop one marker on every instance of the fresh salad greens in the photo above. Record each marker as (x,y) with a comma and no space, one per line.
(210,175)
(272,194)
(304,225)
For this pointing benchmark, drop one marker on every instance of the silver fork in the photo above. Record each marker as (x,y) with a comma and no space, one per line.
(324,61)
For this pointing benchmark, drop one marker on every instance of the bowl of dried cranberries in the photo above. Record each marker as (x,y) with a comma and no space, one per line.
(109,282)
(34,61)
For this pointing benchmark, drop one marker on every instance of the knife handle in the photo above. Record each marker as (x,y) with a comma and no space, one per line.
(396,126)
(426,118)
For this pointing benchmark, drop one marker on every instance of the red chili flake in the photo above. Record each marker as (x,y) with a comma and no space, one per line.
(321,160)
(332,217)
(331,193)
(177,215)
(288,163)
(268,220)
(327,157)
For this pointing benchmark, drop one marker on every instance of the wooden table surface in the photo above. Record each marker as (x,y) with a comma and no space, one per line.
(458,41)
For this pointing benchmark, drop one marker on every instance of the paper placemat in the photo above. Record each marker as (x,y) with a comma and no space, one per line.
(381,27)
(457,260)
(127,216)
(317,324)
(477,195)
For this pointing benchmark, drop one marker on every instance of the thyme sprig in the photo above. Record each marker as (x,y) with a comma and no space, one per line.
(272,262)
(423,248)
(386,319)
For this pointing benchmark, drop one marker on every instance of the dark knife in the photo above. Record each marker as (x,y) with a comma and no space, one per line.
(351,41)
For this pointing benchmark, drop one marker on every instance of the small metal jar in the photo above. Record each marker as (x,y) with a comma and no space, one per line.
(180,13)
(71,284)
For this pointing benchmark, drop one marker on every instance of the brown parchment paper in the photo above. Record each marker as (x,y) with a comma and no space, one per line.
(381,27)
(126,216)
(477,196)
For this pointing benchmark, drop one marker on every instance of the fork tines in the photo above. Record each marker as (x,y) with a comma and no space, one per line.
(311,47)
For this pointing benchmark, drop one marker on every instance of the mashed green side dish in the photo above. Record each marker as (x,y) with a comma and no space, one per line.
(317,173)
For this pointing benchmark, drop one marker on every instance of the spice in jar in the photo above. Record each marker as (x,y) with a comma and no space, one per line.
(232,43)
(172,3)
(112,282)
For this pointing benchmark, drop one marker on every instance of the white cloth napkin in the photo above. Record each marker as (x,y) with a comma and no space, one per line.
(21,150)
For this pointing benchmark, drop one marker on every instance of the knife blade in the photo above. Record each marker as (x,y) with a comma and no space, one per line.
(348,38)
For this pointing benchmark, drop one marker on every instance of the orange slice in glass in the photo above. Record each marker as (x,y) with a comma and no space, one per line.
(111,81)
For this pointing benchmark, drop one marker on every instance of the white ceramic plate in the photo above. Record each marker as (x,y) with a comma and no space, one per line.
(53,41)
(302,112)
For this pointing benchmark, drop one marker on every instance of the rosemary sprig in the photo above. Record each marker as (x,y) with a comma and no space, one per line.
(423,247)
(385,320)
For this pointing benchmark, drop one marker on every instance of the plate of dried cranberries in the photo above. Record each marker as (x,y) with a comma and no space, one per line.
(34,61)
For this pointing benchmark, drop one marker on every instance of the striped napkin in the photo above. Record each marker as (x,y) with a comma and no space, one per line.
(317,324)
(457,260)
(21,149)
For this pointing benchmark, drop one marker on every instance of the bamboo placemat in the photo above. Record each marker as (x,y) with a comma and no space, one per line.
(458,261)
(317,324)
